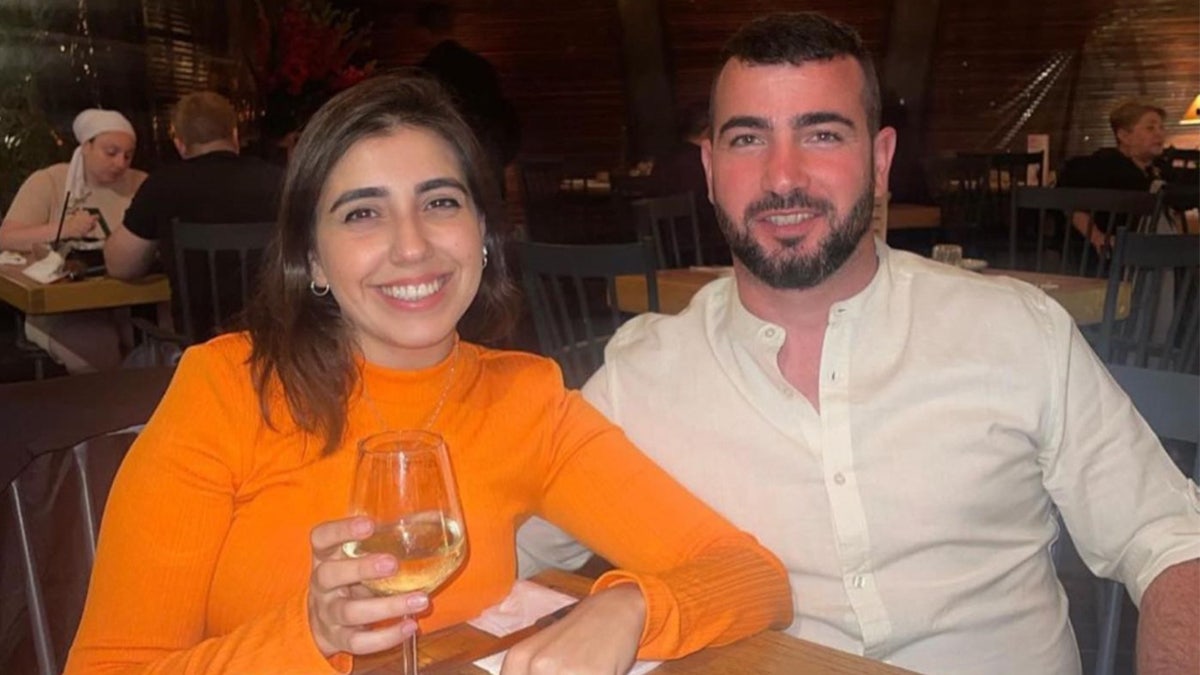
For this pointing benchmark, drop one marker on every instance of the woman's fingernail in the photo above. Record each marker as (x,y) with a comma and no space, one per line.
(418,601)
(385,565)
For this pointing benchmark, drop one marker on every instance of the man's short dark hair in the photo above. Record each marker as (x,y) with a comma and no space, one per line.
(796,38)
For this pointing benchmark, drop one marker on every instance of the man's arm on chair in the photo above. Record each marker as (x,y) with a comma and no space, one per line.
(1168,639)
(126,255)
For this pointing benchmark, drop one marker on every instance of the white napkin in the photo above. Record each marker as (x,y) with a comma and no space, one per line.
(492,664)
(47,269)
(12,258)
(525,604)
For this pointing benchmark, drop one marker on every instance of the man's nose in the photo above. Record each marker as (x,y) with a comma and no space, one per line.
(786,169)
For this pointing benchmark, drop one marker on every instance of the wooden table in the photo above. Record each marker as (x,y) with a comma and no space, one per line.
(32,297)
(913,217)
(767,652)
(1082,297)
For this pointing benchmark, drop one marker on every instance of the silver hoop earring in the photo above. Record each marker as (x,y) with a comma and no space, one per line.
(485,257)
(319,291)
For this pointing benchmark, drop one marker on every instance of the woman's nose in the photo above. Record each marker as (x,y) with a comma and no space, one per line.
(409,241)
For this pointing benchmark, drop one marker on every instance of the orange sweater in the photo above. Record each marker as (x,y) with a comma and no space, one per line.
(204,556)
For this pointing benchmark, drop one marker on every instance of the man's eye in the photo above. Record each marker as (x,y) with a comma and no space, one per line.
(743,140)
(827,137)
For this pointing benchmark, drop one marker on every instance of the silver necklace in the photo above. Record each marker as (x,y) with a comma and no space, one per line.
(437,409)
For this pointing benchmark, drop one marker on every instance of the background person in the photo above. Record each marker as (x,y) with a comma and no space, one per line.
(221,546)
(97,177)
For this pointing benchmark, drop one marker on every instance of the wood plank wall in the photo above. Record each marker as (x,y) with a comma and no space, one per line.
(987,54)
(561,64)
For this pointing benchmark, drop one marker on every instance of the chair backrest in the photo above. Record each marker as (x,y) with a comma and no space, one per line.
(540,180)
(960,187)
(670,222)
(1168,401)
(1162,329)
(64,440)
(571,292)
(1056,209)
(1181,158)
(216,267)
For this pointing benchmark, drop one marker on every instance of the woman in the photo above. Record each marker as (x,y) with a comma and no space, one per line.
(221,544)
(86,195)
(98,177)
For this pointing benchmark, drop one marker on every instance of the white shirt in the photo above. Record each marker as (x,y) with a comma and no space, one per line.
(915,512)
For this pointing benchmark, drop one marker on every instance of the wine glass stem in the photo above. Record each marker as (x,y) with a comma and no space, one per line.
(408,656)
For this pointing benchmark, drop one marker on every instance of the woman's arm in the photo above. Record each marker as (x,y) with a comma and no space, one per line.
(30,220)
(165,526)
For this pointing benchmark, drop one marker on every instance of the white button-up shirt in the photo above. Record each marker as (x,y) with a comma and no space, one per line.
(915,512)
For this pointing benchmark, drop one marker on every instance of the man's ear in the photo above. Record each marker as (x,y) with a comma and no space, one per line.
(884,149)
(706,160)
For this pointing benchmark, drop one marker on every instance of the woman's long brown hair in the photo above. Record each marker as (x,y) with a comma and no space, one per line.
(301,343)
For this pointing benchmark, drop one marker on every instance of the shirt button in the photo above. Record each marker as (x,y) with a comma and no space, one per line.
(769,333)
(859,581)
(839,478)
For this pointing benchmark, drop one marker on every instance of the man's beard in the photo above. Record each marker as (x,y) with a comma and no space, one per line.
(789,269)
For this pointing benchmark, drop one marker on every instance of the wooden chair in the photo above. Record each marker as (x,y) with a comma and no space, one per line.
(64,440)
(1162,329)
(670,221)
(567,288)
(1055,209)
(540,179)
(960,187)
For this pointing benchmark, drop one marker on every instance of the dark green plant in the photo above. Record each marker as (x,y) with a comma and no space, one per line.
(27,140)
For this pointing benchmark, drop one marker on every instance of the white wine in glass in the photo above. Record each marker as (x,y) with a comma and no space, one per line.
(404,483)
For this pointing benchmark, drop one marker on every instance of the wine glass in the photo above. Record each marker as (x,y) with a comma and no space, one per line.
(404,483)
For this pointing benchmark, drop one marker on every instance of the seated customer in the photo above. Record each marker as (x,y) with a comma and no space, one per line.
(213,184)
(900,432)
(1138,129)
(97,185)
(221,546)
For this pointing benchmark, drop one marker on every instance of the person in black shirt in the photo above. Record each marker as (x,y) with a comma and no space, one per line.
(1138,128)
(213,184)
(473,84)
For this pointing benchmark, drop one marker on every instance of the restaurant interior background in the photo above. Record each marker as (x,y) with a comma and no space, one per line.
(595,80)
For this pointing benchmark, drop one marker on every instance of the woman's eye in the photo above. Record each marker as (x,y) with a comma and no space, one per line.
(444,203)
(358,214)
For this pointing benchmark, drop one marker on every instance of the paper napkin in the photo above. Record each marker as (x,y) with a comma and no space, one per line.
(12,258)
(47,269)
(525,604)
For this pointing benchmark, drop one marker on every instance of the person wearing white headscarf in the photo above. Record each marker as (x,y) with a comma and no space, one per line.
(96,185)
(97,177)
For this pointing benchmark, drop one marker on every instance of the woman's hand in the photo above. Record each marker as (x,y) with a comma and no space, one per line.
(600,636)
(342,612)
(79,224)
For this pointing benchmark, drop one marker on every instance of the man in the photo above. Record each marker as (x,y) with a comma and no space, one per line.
(213,184)
(1138,129)
(898,431)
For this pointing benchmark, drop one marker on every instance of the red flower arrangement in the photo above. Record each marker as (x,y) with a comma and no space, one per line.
(303,56)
